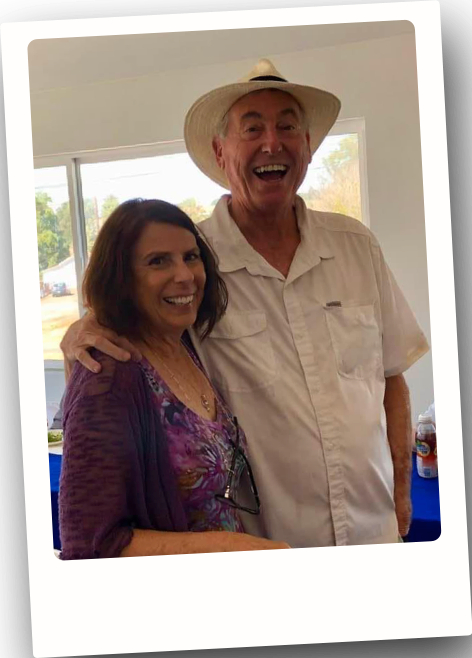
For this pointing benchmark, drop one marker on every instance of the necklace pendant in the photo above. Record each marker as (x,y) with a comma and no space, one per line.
(205,402)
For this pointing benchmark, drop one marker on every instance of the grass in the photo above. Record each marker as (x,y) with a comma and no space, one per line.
(57,313)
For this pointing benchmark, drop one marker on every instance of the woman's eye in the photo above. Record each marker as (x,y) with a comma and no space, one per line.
(156,260)
(252,129)
(193,257)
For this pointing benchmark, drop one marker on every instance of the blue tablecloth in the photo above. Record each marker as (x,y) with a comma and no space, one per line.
(426,521)
(54,474)
(425,526)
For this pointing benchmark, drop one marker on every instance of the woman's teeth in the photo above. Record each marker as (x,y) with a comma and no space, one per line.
(180,301)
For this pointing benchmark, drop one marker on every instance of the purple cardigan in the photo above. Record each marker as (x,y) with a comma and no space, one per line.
(116,472)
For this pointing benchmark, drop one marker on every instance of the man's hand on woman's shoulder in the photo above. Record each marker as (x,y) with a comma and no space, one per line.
(86,333)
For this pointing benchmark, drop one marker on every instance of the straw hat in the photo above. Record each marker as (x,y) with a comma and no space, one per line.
(201,123)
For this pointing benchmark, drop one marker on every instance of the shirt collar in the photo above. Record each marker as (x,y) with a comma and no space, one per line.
(235,253)
(312,248)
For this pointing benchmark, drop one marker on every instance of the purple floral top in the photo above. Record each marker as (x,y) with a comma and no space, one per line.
(200,453)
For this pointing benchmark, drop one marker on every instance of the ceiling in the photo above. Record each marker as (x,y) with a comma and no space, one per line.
(56,63)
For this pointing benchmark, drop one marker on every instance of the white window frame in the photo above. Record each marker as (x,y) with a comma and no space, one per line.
(73,161)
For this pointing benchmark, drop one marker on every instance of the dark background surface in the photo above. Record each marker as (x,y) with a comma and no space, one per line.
(15,622)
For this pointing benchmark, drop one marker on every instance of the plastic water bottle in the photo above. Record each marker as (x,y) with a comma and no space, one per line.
(426,448)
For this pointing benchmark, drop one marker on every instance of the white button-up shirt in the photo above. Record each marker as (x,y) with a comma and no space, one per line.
(302,361)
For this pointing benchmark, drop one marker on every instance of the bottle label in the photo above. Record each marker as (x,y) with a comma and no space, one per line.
(422,448)
(426,455)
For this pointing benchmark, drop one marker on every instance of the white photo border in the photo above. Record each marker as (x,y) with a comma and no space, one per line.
(275,597)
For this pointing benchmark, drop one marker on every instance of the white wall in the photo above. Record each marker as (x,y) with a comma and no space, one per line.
(55,381)
(375,79)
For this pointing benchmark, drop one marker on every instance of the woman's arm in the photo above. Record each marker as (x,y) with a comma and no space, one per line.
(95,508)
(152,542)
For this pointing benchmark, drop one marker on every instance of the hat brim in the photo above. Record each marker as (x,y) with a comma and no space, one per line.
(201,123)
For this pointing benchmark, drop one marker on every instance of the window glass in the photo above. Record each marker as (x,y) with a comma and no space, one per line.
(57,277)
(173,178)
(332,182)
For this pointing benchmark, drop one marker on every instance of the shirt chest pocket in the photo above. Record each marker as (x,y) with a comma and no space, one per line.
(356,339)
(240,352)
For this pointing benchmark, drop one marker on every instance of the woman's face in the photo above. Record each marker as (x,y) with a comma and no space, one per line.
(169,277)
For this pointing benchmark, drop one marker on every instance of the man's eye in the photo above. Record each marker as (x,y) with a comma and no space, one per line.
(252,129)
(288,127)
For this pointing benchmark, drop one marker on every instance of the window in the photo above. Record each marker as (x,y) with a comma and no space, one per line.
(57,271)
(332,182)
(171,177)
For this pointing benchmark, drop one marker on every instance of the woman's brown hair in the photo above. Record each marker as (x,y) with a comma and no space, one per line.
(108,285)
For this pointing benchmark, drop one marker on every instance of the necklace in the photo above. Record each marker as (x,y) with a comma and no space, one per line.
(203,398)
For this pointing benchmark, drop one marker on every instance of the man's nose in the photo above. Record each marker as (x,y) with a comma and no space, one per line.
(272,143)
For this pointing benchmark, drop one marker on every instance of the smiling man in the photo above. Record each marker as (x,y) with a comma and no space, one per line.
(311,351)
(264,152)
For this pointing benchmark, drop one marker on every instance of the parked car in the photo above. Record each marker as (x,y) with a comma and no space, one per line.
(60,289)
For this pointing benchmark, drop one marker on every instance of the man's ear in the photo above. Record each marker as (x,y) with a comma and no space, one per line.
(218,151)
(308,141)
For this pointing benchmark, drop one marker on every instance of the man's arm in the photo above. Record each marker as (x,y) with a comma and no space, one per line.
(86,333)
(398,413)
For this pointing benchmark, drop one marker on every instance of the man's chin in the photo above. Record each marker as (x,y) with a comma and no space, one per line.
(273,197)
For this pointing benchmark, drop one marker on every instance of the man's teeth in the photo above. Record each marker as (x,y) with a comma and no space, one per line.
(271,167)
(179,300)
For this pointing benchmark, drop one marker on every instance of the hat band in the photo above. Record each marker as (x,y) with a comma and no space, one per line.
(268,77)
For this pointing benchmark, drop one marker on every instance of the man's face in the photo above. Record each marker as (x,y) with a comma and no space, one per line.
(264,130)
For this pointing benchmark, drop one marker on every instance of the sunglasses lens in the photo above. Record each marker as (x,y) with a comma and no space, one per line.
(240,488)
(242,493)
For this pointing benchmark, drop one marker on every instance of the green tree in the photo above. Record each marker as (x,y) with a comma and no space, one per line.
(340,189)
(53,245)
(193,209)
(92,221)
(45,216)
(347,151)
(64,223)
(108,206)
(47,249)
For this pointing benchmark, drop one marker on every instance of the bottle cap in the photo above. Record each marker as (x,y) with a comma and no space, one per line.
(425,418)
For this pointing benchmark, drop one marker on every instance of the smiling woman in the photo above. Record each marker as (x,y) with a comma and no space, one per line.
(153,458)
(170,276)
(143,246)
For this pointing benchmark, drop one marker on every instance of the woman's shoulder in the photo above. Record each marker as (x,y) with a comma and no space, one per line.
(115,377)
